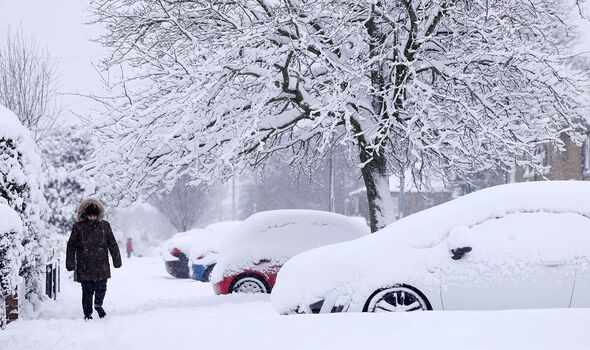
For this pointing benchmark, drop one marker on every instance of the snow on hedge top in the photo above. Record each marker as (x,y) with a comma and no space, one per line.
(430,226)
(9,220)
(280,234)
(11,128)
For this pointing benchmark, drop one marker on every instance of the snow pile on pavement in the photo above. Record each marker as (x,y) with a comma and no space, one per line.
(149,310)
(278,235)
(409,250)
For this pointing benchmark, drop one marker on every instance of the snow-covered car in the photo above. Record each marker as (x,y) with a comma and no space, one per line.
(175,252)
(250,259)
(521,245)
(204,252)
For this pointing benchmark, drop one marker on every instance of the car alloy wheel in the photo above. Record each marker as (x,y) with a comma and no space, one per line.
(249,284)
(397,299)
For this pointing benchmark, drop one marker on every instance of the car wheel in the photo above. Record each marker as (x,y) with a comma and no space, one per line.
(249,283)
(398,298)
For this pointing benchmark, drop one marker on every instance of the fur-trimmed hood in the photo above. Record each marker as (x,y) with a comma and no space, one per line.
(85,203)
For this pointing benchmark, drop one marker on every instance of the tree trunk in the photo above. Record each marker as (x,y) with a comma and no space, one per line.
(381,208)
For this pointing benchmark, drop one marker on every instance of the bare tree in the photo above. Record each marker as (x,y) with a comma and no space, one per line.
(185,205)
(27,83)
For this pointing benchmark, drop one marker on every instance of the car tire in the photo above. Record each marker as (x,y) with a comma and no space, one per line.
(249,283)
(397,298)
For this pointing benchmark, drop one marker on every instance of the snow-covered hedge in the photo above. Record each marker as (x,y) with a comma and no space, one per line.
(10,250)
(21,188)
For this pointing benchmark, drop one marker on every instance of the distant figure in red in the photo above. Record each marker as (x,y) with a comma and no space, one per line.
(129,248)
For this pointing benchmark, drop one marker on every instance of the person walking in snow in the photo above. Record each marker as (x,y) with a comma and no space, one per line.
(87,254)
(129,247)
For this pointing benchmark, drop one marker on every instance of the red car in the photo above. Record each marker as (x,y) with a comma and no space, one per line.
(251,258)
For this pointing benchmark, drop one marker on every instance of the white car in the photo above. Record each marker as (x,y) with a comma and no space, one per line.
(523,245)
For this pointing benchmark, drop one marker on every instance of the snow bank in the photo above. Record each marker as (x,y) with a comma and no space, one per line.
(278,235)
(515,220)
(150,310)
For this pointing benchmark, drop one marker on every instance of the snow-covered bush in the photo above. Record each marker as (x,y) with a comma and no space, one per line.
(21,189)
(64,150)
(10,250)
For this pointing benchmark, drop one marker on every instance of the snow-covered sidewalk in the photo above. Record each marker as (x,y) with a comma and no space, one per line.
(150,310)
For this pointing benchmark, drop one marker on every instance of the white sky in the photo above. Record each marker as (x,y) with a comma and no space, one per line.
(58,25)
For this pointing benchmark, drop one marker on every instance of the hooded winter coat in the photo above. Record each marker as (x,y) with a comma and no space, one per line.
(89,245)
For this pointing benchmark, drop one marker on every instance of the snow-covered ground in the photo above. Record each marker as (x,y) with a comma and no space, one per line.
(150,310)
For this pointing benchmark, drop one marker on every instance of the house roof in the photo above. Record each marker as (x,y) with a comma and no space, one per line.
(412,185)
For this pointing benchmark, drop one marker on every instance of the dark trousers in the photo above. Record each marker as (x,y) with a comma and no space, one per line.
(96,289)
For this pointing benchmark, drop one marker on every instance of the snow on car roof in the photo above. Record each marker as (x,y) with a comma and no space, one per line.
(280,234)
(198,240)
(428,227)
(211,237)
(299,227)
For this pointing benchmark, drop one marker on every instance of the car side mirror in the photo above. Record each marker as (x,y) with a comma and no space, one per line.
(458,253)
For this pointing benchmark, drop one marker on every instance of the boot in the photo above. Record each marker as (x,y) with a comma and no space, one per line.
(101,289)
(100,310)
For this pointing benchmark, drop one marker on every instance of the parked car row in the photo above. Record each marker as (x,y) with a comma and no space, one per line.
(246,256)
(521,245)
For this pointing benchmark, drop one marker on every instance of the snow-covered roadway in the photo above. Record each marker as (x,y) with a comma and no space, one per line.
(150,310)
